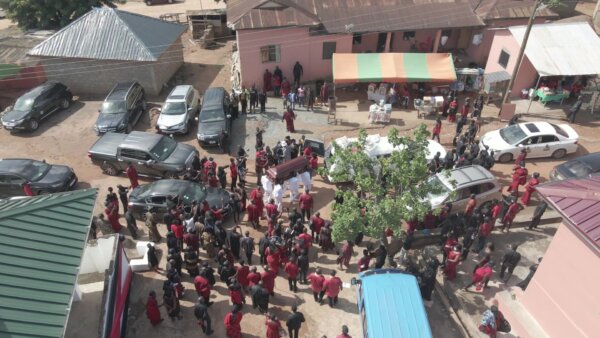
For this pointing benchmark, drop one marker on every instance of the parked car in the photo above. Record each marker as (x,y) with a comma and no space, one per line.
(582,166)
(37,104)
(122,108)
(214,120)
(540,139)
(161,195)
(152,155)
(42,177)
(460,183)
(179,110)
(156,2)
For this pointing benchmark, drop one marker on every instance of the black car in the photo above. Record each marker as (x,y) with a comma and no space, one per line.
(36,105)
(161,195)
(122,108)
(214,120)
(42,177)
(583,166)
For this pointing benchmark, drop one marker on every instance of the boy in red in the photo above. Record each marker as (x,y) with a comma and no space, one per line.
(273,262)
(306,203)
(253,214)
(530,188)
(305,239)
(236,295)
(314,163)
(232,321)
(242,275)
(496,210)
(317,280)
(509,217)
(437,129)
(203,288)
(268,279)
(332,288)
(291,268)
(177,229)
(233,172)
(316,224)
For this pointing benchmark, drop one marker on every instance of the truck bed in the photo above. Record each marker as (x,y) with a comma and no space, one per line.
(107,145)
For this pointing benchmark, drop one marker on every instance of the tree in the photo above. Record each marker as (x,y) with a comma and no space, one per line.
(49,14)
(384,191)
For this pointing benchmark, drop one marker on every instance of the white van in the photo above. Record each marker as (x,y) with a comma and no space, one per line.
(179,110)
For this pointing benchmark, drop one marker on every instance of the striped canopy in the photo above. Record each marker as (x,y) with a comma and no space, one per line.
(393,67)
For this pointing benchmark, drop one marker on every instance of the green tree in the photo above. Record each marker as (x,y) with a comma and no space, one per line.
(49,14)
(390,187)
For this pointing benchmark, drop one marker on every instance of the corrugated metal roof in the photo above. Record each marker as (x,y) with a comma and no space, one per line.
(569,49)
(509,9)
(343,16)
(111,34)
(578,201)
(42,240)
(13,49)
(497,76)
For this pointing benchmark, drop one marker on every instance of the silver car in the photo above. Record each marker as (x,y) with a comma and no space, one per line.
(179,110)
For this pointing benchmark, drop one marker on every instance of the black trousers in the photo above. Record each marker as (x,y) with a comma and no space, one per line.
(305,214)
(233,183)
(318,296)
(206,325)
(332,301)
(293,332)
(293,284)
(244,106)
(535,221)
(303,274)
(505,267)
(249,259)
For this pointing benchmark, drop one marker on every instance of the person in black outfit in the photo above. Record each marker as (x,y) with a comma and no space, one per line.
(201,313)
(532,269)
(233,240)
(294,322)
(260,297)
(468,240)
(247,244)
(381,256)
(537,215)
(131,222)
(303,263)
(253,99)
(262,246)
(509,262)
(574,109)
(298,72)
(208,272)
(176,257)
(262,100)
(123,195)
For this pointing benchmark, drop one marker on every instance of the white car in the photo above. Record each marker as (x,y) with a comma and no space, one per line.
(540,139)
(179,110)
(375,146)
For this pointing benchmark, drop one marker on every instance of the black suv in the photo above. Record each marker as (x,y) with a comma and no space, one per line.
(36,105)
(42,177)
(122,108)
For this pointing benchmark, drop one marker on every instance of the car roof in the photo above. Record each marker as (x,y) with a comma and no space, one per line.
(179,93)
(591,160)
(14,166)
(120,90)
(212,98)
(467,175)
(537,128)
(34,92)
(169,187)
(140,140)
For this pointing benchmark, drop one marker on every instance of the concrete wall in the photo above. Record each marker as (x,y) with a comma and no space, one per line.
(503,40)
(564,294)
(168,64)
(399,45)
(295,45)
(97,258)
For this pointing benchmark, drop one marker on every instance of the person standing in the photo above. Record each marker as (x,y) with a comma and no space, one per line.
(253,99)
(232,321)
(133,175)
(452,107)
(112,214)
(202,286)
(509,262)
(285,89)
(201,313)
(521,158)
(437,129)
(303,264)
(267,78)
(471,204)
(509,217)
(260,297)
(324,94)
(317,282)
(247,244)
(294,322)
(289,118)
(152,310)
(539,211)
(574,109)
(301,95)
(452,262)
(291,268)
(151,225)
(152,257)
(244,96)
(305,202)
(171,303)
(310,99)
(262,100)
(298,72)
(332,287)
(268,278)
(344,333)
(530,188)
(131,222)
(345,255)
(485,229)
(123,195)
(464,111)
(273,326)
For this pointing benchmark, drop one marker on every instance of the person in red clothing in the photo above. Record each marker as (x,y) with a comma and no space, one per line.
(289,118)
(210,166)
(273,326)
(27,189)
(530,188)
(471,204)
(242,274)
(152,311)
(523,173)
(232,321)
(481,276)
(307,152)
(268,279)
(273,261)
(452,111)
(464,111)
(253,277)
(212,180)
(253,214)
(305,240)
(450,243)
(133,175)
(509,217)
(317,280)
(314,164)
(346,254)
(332,287)
(514,184)
(291,268)
(485,229)
(271,208)
(437,129)
(233,173)
(344,333)
(363,262)
(203,288)
(285,87)
(496,210)
(305,201)
(452,262)
(178,229)
(235,294)
(522,156)
(256,195)
(112,214)
(267,78)
(316,224)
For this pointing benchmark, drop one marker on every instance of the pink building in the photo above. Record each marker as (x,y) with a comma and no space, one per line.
(274,33)
(563,295)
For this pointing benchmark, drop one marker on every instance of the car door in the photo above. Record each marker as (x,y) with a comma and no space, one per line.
(139,159)
(548,145)
(533,146)
(227,113)
(138,102)
(157,203)
(459,202)
(43,105)
(317,147)
(11,185)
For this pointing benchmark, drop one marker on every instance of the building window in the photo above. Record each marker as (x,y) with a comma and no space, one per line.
(357,38)
(503,59)
(328,50)
(271,53)
(408,35)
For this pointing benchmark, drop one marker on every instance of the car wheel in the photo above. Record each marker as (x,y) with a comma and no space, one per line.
(559,153)
(66,103)
(505,157)
(34,124)
(170,175)
(109,169)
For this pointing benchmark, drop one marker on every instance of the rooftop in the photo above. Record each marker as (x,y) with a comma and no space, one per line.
(42,239)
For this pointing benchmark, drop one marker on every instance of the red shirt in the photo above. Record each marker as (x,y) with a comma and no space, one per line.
(437,128)
(253,278)
(486,228)
(242,275)
(316,282)
(177,230)
(133,176)
(213,181)
(268,278)
(307,151)
(496,210)
(236,296)
(271,210)
(291,269)
(333,286)
(306,201)
(314,162)
(470,207)
(27,189)
(253,213)
(318,223)
(233,172)
(307,240)
(202,286)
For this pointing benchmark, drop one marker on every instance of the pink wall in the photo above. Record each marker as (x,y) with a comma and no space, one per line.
(369,42)
(564,295)
(295,45)
(527,75)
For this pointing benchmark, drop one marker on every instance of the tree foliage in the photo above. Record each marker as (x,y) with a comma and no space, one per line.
(49,14)
(384,191)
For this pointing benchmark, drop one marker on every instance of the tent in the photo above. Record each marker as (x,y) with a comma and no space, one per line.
(393,67)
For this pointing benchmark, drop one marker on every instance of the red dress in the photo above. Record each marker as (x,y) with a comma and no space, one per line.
(332,287)
(289,121)
(233,328)
(451,264)
(152,311)
(253,213)
(133,176)
(268,279)
(267,81)
(273,262)
(253,279)
(202,287)
(257,196)
(242,275)
(437,129)
(236,297)
(273,327)
(529,189)
(113,218)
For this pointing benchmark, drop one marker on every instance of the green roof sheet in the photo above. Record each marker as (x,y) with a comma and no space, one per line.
(42,240)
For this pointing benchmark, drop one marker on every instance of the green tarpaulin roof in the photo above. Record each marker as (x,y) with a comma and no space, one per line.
(42,240)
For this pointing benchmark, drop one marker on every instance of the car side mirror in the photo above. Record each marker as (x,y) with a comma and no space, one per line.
(520,146)
(150,162)
(228,116)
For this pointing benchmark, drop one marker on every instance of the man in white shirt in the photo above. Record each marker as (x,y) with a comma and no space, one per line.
(278,196)
(292,184)
(267,187)
(306,180)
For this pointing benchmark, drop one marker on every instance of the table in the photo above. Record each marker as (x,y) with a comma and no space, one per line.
(378,114)
(556,97)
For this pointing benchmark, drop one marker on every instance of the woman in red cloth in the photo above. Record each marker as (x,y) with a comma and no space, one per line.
(464,111)
(452,111)
(112,214)
(530,188)
(257,196)
(273,326)
(452,262)
(152,310)
(346,254)
(289,117)
(233,319)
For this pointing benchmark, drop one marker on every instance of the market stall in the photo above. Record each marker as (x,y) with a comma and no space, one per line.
(495,84)
(468,80)
(546,94)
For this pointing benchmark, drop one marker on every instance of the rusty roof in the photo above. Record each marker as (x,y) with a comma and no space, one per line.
(508,9)
(345,16)
(578,201)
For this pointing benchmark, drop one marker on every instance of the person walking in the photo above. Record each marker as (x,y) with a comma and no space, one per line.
(332,287)
(481,276)
(151,223)
(291,268)
(273,326)
(530,188)
(574,109)
(260,297)
(152,310)
(262,100)
(289,118)
(324,94)
(152,257)
(344,333)
(301,95)
(122,191)
(437,129)
(346,254)
(244,96)
(202,286)
(268,278)
(305,202)
(303,263)
(294,322)
(452,262)
(485,229)
(317,282)
(232,322)
(247,244)
(132,174)
(510,260)
(131,222)
(471,204)
(521,158)
(253,99)
(310,99)
(539,211)
(201,313)
(298,71)
(509,217)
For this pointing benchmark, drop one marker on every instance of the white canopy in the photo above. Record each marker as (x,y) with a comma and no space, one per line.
(570,48)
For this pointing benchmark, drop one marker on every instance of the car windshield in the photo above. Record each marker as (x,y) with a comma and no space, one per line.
(113,107)
(34,171)
(512,134)
(211,116)
(577,168)
(437,189)
(173,108)
(163,148)
(195,192)
(24,103)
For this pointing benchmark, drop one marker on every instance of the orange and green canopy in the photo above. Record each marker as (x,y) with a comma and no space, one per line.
(393,67)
